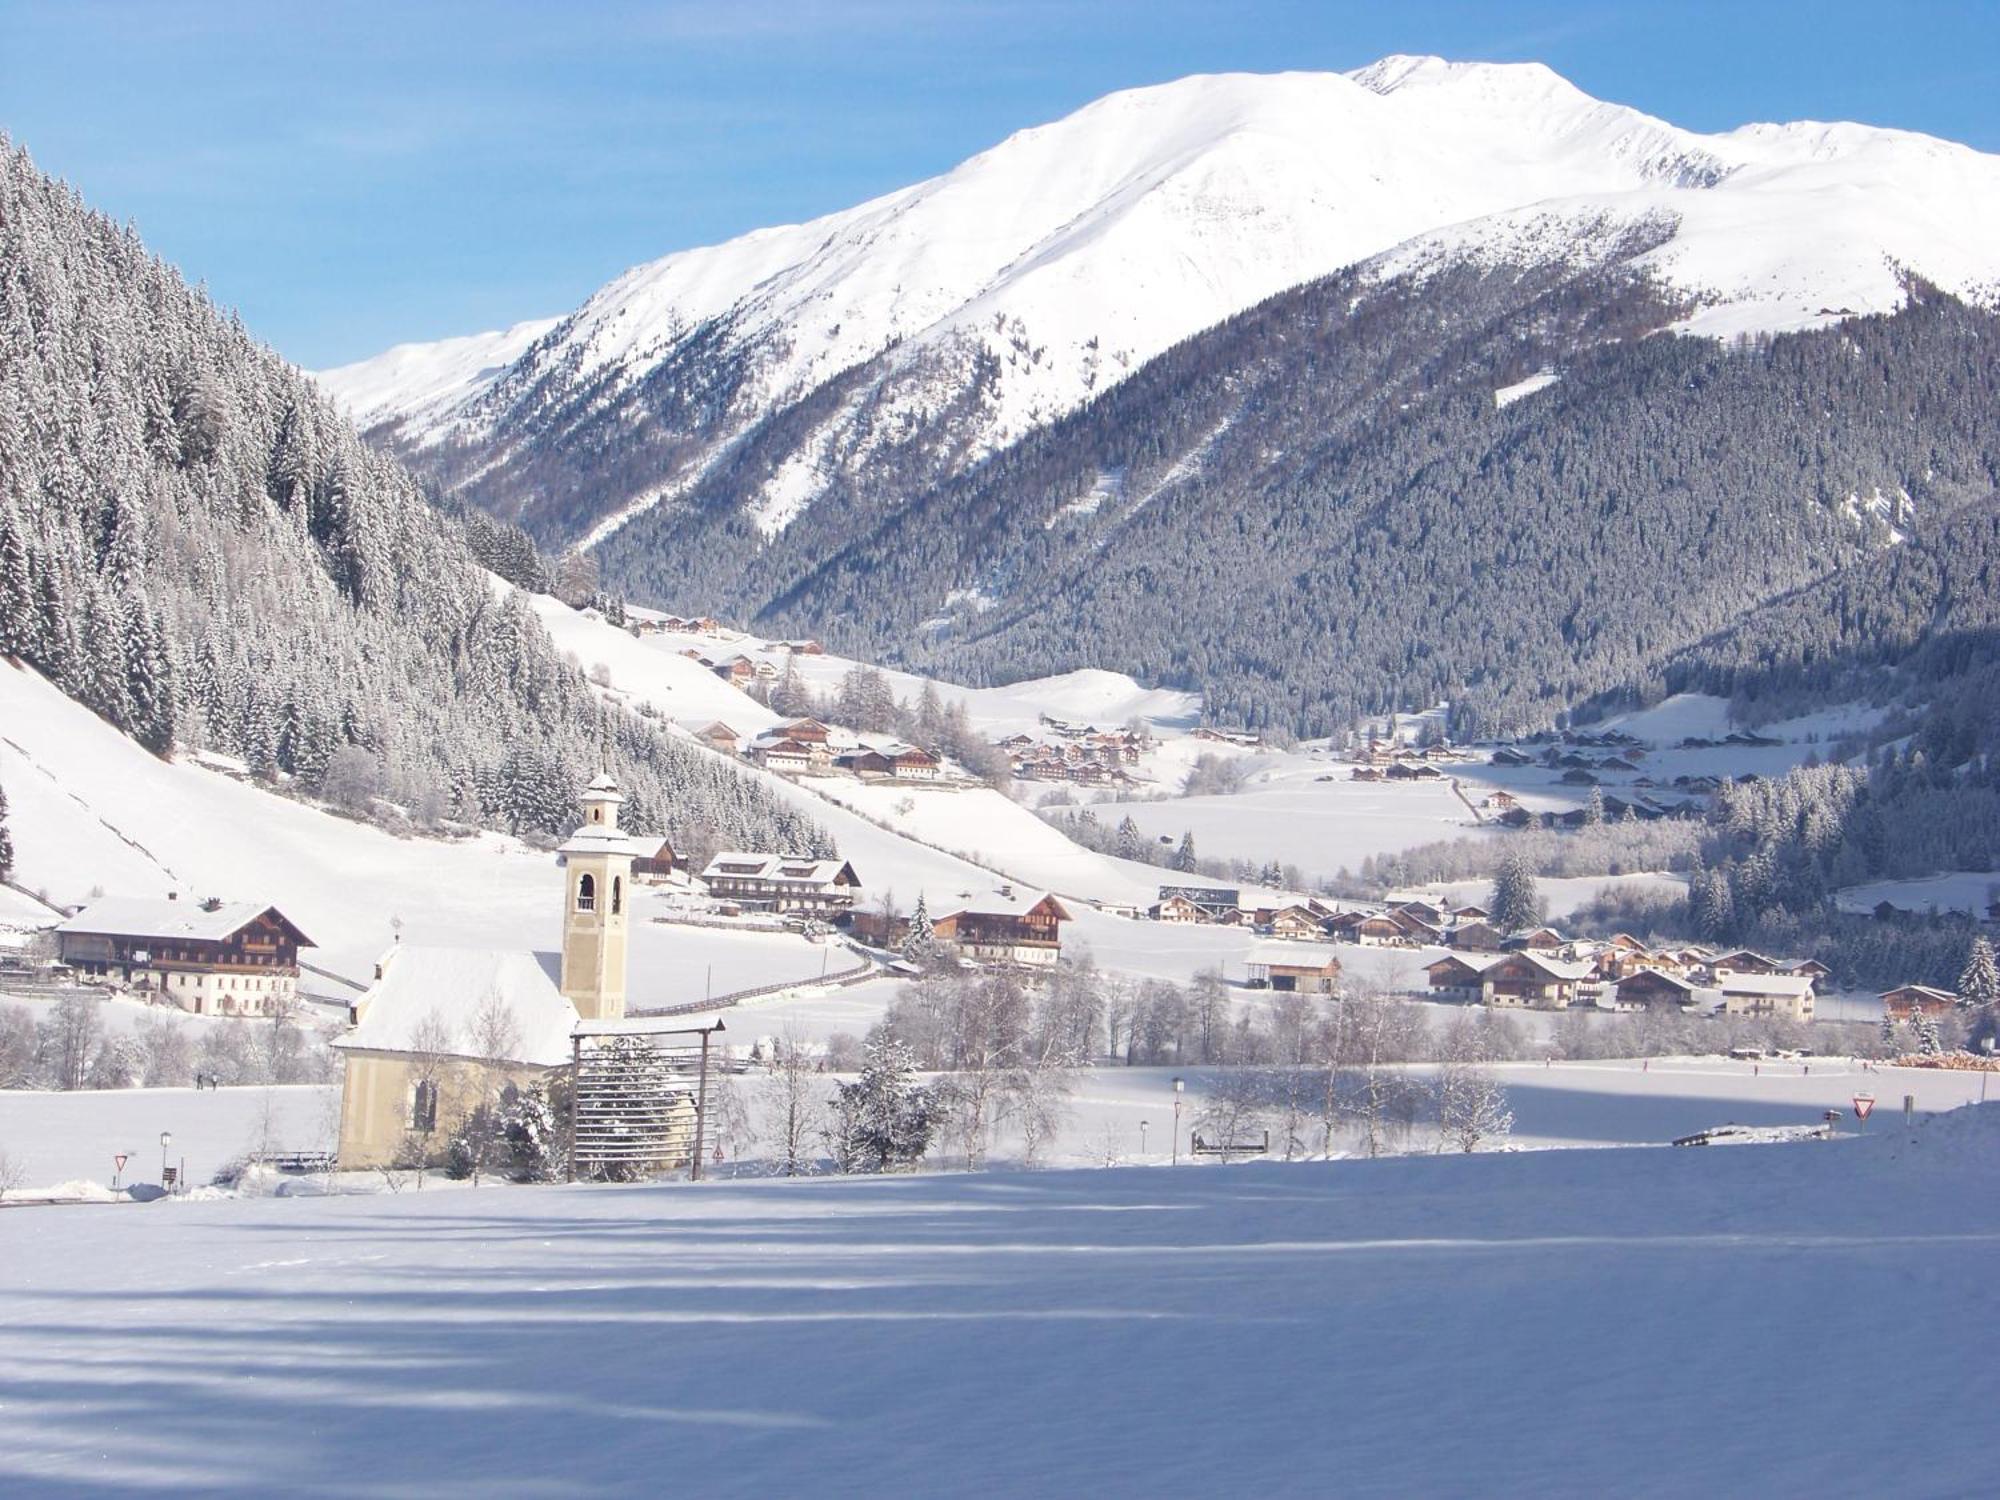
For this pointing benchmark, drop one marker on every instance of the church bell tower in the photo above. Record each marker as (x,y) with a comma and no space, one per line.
(597,890)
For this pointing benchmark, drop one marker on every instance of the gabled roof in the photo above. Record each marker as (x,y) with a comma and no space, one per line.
(1000,904)
(1790,985)
(1551,967)
(1929,992)
(1292,955)
(457,986)
(789,869)
(159,919)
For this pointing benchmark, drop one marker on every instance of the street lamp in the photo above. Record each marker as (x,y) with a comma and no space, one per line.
(1142,1137)
(1180,1087)
(166,1140)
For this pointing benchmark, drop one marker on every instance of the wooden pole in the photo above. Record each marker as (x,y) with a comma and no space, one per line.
(575,1083)
(700,1111)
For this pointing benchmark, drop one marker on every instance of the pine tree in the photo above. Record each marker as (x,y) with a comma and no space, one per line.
(1515,903)
(1593,811)
(884,1120)
(920,947)
(1979,980)
(6,841)
(1131,843)
(1929,1042)
(1184,858)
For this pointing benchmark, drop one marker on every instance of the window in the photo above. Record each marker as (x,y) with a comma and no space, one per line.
(586,893)
(424,1107)
(617,895)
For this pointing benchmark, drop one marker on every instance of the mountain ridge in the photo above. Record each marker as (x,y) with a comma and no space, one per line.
(971,309)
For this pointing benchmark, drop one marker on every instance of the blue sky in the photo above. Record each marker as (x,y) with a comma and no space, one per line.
(355,175)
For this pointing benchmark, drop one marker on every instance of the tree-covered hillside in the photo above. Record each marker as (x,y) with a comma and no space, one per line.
(1318,509)
(195,545)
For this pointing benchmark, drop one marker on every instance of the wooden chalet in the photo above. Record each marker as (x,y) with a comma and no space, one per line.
(233,958)
(1745,961)
(786,755)
(1782,997)
(1475,937)
(1652,989)
(1295,922)
(805,731)
(1005,928)
(1458,978)
(1539,940)
(1528,981)
(1908,1000)
(783,883)
(653,868)
(1294,968)
(718,736)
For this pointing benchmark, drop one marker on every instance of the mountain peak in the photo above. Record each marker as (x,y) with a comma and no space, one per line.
(1030,278)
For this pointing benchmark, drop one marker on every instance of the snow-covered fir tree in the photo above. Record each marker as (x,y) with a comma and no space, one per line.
(920,947)
(1979,980)
(884,1120)
(1515,902)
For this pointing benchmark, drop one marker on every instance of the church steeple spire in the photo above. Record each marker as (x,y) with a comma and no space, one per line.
(597,860)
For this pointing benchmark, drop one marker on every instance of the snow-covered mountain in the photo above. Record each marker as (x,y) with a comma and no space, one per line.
(931,326)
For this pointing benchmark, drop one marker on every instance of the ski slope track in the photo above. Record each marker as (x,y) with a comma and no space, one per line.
(1007,292)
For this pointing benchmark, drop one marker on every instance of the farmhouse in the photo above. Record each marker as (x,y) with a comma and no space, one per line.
(1295,922)
(1214,903)
(1527,981)
(1908,1000)
(1006,928)
(1176,909)
(1294,968)
(719,737)
(1781,997)
(783,882)
(898,762)
(1652,989)
(1459,978)
(786,755)
(1474,936)
(656,867)
(235,958)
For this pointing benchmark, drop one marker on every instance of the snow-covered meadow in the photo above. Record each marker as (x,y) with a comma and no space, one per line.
(1815,1318)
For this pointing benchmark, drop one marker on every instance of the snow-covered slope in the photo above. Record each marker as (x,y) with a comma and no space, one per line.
(1014,287)
(1768,1320)
(414,380)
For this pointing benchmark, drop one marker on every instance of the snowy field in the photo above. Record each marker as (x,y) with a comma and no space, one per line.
(1961,890)
(57,1138)
(60,1138)
(1287,814)
(1783,1320)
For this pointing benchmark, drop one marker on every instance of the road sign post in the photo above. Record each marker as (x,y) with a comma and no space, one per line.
(1863,1104)
(118,1160)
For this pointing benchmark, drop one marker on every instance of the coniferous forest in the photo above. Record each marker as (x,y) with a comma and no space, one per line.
(195,545)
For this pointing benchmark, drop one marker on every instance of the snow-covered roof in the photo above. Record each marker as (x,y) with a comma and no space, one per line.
(1291,955)
(785,868)
(457,986)
(1764,984)
(148,917)
(1010,903)
(595,838)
